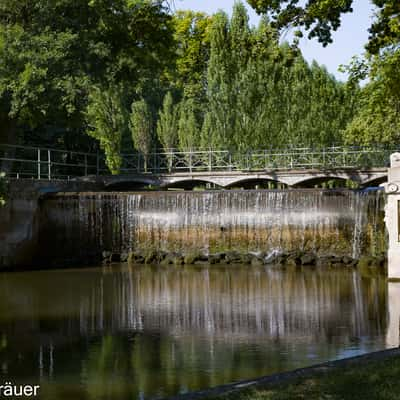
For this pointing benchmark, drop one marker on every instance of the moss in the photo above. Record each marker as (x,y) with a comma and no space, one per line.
(191,258)
(365,262)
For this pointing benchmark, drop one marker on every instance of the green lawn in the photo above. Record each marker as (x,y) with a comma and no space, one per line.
(369,381)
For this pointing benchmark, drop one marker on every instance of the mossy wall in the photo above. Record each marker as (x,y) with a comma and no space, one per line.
(341,222)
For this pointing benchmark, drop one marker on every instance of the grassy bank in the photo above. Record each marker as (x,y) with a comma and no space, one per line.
(372,380)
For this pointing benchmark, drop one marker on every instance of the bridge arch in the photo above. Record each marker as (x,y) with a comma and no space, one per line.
(128,183)
(253,183)
(313,180)
(375,180)
(189,183)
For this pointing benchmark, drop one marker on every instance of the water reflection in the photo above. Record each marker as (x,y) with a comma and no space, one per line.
(153,331)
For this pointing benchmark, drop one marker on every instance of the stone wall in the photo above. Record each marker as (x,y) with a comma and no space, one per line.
(21,219)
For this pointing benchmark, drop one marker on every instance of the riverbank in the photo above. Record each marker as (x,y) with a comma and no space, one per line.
(370,377)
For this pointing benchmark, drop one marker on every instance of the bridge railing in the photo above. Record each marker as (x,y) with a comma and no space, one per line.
(45,163)
(297,158)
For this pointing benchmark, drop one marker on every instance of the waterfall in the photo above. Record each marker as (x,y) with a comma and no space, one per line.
(342,222)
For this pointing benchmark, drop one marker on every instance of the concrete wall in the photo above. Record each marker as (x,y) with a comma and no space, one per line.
(19,228)
(20,219)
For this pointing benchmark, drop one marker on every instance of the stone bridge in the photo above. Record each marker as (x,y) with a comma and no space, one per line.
(303,167)
(226,179)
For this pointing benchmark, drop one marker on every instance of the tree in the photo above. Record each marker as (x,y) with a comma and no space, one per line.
(321,17)
(192,39)
(219,119)
(107,120)
(167,125)
(261,94)
(377,118)
(141,127)
(188,127)
(53,52)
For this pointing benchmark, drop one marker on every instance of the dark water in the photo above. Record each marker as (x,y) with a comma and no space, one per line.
(145,332)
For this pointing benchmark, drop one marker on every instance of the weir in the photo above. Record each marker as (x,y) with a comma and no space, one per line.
(342,222)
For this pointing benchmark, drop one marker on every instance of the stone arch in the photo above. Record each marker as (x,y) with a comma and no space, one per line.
(189,184)
(126,184)
(251,183)
(313,180)
(375,181)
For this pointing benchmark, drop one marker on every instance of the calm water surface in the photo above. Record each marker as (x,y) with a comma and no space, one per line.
(147,332)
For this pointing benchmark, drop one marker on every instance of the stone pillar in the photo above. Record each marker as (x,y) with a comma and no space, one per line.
(392,216)
(393,329)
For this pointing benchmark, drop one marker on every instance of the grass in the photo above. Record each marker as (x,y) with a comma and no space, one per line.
(370,381)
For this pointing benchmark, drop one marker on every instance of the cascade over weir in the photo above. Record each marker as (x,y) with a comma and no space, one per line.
(325,222)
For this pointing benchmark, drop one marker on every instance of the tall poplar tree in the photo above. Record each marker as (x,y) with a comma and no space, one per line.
(188,126)
(167,125)
(141,126)
(106,117)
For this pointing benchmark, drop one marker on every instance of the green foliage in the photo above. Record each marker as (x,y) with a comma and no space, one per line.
(192,38)
(261,94)
(319,17)
(141,126)
(376,116)
(106,117)
(167,125)
(53,52)
(188,127)
(67,68)
(377,120)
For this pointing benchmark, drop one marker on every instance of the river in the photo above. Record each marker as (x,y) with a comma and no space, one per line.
(143,331)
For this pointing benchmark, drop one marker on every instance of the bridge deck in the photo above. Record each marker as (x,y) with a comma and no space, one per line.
(223,168)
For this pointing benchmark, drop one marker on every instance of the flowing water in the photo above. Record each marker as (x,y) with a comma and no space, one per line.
(339,222)
(142,332)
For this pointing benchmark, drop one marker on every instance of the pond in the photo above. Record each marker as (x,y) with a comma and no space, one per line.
(142,332)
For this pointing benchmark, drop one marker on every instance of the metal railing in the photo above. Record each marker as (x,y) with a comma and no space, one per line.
(258,160)
(44,163)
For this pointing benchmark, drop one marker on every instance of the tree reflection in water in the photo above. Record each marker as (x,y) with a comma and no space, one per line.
(150,331)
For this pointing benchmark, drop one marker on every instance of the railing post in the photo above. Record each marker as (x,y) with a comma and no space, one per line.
(169,160)
(190,160)
(265,159)
(38,164)
(209,160)
(49,165)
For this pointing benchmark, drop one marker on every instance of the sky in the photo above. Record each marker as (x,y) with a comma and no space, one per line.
(348,41)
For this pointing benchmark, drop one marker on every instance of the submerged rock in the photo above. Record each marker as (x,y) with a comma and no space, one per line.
(279,259)
(257,261)
(308,259)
